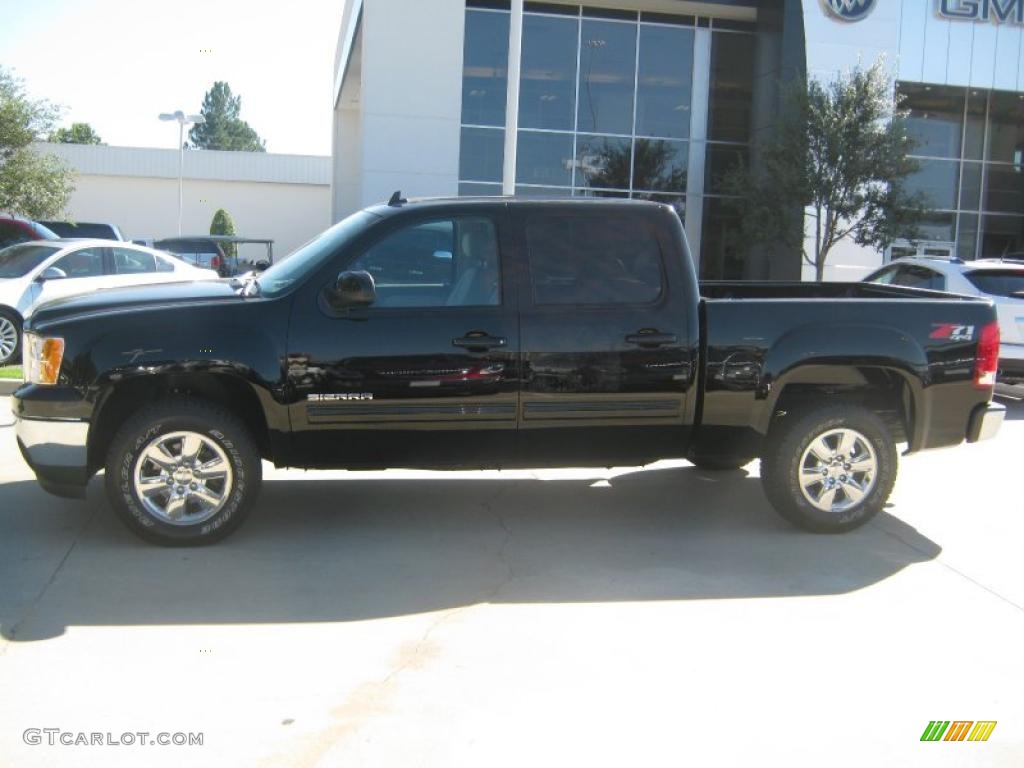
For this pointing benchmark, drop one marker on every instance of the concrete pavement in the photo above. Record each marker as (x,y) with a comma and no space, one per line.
(638,616)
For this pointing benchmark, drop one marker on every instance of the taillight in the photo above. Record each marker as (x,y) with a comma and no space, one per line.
(987,362)
(215,262)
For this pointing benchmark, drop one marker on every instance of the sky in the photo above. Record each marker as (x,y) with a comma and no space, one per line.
(117,64)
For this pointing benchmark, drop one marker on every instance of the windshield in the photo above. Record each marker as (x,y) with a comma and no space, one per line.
(19,260)
(311,256)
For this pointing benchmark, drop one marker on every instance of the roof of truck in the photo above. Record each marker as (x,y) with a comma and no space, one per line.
(428,203)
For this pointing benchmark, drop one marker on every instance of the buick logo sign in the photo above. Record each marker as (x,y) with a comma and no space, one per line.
(848,10)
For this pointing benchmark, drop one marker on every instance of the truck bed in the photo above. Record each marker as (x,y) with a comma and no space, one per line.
(757,337)
(721,289)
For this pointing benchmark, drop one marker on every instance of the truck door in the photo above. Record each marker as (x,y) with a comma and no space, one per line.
(428,374)
(609,343)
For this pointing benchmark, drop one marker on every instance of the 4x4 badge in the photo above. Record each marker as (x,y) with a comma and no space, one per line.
(952,332)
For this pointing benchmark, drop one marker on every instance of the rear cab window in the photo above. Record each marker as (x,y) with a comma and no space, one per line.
(611,259)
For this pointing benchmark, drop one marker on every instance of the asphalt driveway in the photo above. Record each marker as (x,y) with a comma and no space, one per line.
(636,616)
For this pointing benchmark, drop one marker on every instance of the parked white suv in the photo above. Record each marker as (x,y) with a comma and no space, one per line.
(997,279)
(41,270)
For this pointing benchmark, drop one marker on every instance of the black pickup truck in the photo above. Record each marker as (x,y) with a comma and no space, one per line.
(496,333)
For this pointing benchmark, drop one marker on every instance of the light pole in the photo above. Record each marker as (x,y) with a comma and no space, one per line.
(182,119)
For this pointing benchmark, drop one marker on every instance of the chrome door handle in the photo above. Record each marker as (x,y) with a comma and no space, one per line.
(479,341)
(649,337)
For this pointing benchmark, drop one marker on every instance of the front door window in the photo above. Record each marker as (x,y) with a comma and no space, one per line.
(445,263)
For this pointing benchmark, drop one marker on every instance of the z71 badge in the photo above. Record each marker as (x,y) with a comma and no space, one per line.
(952,332)
(333,398)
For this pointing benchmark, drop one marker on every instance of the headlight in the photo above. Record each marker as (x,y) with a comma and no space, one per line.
(42,358)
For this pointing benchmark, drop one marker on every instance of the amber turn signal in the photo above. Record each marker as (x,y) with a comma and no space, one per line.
(43,357)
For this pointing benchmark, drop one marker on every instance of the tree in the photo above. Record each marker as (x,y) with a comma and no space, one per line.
(223,224)
(839,157)
(31,184)
(78,133)
(224,128)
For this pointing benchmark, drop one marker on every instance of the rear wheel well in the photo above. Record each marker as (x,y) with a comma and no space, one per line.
(128,397)
(881,391)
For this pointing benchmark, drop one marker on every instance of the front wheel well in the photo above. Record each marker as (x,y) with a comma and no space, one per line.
(128,397)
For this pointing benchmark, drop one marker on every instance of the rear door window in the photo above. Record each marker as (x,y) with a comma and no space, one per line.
(607,259)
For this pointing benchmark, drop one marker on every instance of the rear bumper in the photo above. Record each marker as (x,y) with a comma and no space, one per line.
(985,421)
(57,451)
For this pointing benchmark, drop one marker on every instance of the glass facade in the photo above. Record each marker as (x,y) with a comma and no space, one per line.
(606,105)
(970,144)
(484,95)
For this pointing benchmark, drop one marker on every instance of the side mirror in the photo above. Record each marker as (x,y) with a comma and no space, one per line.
(52,273)
(353,289)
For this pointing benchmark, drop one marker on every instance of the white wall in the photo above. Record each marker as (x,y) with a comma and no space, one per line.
(412,97)
(398,109)
(283,197)
(147,207)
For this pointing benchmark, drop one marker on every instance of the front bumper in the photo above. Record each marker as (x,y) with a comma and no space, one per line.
(985,421)
(57,451)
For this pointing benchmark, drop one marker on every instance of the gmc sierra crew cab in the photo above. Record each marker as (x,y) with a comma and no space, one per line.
(501,332)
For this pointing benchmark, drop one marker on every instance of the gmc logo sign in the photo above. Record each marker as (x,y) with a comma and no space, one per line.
(999,11)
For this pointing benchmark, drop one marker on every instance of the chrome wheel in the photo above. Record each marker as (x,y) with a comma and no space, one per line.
(838,470)
(8,337)
(183,478)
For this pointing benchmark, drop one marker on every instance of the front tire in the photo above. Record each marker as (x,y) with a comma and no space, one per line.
(10,337)
(183,473)
(829,469)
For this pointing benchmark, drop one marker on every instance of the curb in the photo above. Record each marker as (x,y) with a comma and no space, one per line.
(7,386)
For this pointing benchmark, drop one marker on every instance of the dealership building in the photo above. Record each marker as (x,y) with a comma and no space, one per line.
(657,99)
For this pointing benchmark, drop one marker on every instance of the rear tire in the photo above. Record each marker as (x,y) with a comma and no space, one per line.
(10,337)
(829,469)
(183,473)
